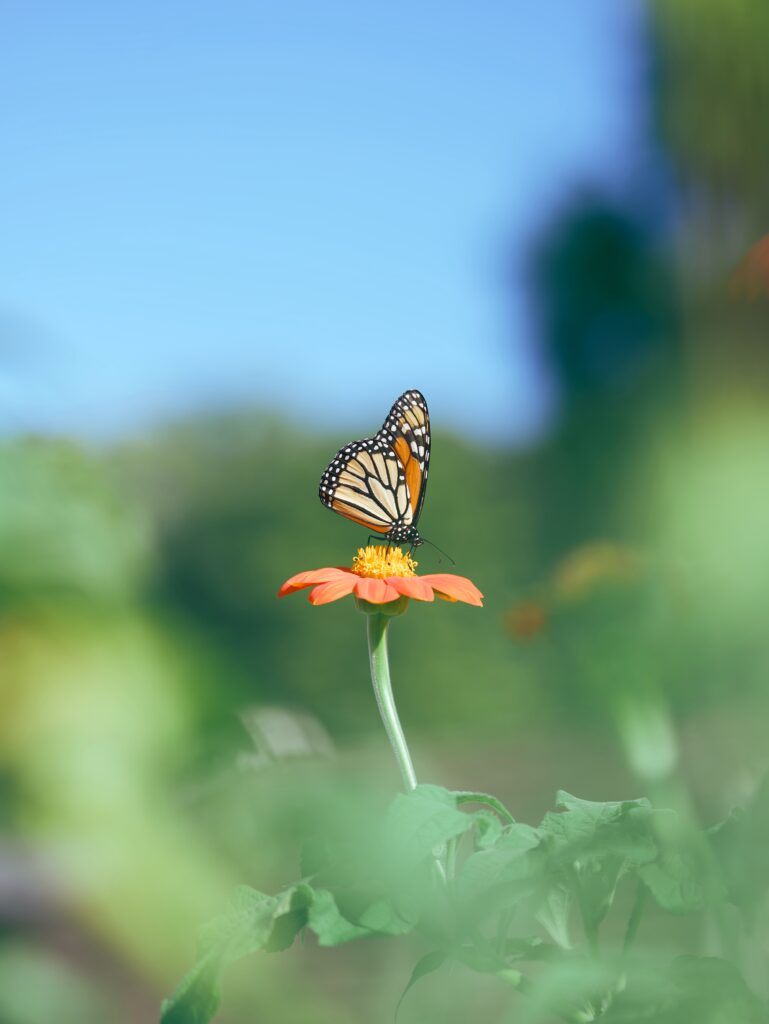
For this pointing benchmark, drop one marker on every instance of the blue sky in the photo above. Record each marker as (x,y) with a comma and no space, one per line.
(306,205)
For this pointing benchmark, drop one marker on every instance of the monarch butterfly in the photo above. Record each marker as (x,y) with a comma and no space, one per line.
(380,482)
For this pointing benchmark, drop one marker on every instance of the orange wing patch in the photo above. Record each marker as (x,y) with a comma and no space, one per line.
(411,469)
(414,481)
(402,450)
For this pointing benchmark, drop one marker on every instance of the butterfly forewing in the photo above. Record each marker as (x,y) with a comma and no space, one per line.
(407,431)
(379,482)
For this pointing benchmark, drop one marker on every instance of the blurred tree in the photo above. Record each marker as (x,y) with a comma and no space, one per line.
(662,432)
(711,97)
(603,292)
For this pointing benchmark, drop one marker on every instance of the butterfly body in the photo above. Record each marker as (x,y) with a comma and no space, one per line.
(379,482)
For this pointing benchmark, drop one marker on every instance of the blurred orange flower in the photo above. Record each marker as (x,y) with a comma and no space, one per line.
(380,575)
(750,279)
(526,620)
(593,564)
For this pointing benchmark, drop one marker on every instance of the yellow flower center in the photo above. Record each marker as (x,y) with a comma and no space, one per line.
(380,562)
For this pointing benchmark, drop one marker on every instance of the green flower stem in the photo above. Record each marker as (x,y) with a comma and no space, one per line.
(380,677)
(376,626)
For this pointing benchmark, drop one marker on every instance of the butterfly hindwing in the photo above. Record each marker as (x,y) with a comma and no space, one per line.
(379,482)
(365,482)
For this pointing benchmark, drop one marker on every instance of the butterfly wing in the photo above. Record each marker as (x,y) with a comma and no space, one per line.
(366,483)
(379,482)
(407,431)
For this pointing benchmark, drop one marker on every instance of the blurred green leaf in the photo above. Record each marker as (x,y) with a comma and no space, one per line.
(488,829)
(713,991)
(553,914)
(684,877)
(258,922)
(588,829)
(383,918)
(465,797)
(594,844)
(289,916)
(598,879)
(420,821)
(328,923)
(575,989)
(196,998)
(244,928)
(741,846)
(430,962)
(254,921)
(506,864)
(677,881)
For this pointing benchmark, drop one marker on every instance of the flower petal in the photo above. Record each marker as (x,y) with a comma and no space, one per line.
(375,591)
(412,586)
(311,578)
(332,590)
(454,588)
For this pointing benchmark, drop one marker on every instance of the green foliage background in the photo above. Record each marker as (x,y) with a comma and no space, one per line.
(621,652)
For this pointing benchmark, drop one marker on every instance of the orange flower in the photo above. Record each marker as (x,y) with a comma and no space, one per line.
(380,575)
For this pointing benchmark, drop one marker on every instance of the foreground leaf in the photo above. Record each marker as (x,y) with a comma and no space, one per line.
(676,881)
(741,847)
(430,962)
(504,865)
(420,821)
(592,845)
(465,797)
(328,923)
(586,828)
(254,922)
(245,928)
(196,998)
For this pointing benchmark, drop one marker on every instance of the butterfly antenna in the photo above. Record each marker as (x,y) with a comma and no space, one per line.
(439,550)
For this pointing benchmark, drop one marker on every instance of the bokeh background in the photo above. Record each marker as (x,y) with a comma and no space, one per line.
(232,235)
